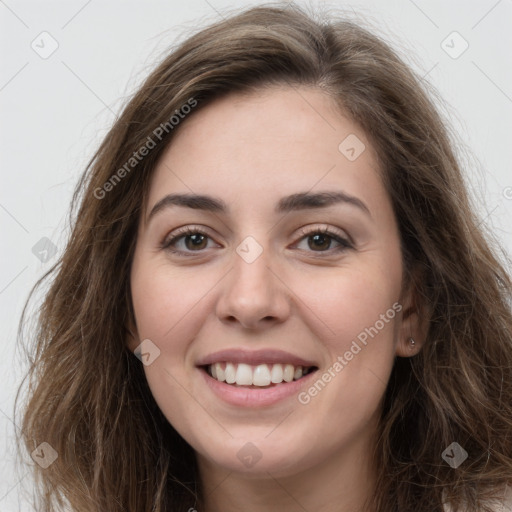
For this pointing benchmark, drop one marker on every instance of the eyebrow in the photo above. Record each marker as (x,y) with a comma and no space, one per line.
(294,202)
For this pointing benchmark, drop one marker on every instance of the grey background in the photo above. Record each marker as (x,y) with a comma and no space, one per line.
(55,110)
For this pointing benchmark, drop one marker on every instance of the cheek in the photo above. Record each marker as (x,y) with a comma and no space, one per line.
(165,302)
(349,303)
(362,314)
(165,299)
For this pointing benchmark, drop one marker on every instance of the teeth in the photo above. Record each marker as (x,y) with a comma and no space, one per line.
(261,375)
(277,373)
(219,374)
(230,373)
(243,375)
(288,373)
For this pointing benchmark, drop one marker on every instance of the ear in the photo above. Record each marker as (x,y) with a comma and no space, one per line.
(414,321)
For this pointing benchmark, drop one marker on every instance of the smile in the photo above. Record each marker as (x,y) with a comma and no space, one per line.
(255,378)
(261,375)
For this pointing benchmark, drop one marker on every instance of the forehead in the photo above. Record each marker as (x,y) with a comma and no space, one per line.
(256,147)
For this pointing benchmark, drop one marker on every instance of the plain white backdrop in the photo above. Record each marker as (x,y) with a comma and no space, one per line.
(68,67)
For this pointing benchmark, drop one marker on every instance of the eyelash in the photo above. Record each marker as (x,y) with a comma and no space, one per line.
(166,244)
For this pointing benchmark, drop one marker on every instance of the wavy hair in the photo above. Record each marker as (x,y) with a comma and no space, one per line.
(88,396)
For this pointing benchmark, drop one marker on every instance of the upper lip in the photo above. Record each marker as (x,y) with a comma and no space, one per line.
(254,357)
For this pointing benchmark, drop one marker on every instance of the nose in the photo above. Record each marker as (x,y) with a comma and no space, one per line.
(254,295)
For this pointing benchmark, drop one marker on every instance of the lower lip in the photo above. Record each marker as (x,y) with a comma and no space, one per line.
(255,397)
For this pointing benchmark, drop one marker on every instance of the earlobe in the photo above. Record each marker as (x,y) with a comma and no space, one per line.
(411,337)
(409,348)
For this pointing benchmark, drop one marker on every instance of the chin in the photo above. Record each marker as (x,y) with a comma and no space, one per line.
(257,456)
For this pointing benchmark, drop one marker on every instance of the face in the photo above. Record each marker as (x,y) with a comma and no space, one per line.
(290,271)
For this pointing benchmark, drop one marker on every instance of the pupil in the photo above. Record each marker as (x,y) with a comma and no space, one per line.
(321,237)
(197,239)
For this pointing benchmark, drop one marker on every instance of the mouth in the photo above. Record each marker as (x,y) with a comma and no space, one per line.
(261,376)
(255,378)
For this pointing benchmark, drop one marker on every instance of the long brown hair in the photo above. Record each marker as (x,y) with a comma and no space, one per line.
(88,396)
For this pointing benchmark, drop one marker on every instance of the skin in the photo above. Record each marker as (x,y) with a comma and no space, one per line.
(305,298)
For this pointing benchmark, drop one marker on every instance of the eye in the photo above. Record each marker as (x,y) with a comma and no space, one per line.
(195,240)
(323,238)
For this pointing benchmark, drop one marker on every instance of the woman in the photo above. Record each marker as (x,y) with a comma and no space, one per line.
(276,293)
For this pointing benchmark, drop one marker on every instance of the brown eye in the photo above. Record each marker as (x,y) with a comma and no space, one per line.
(194,240)
(320,240)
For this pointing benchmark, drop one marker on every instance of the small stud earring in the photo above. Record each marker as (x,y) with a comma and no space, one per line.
(412,342)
